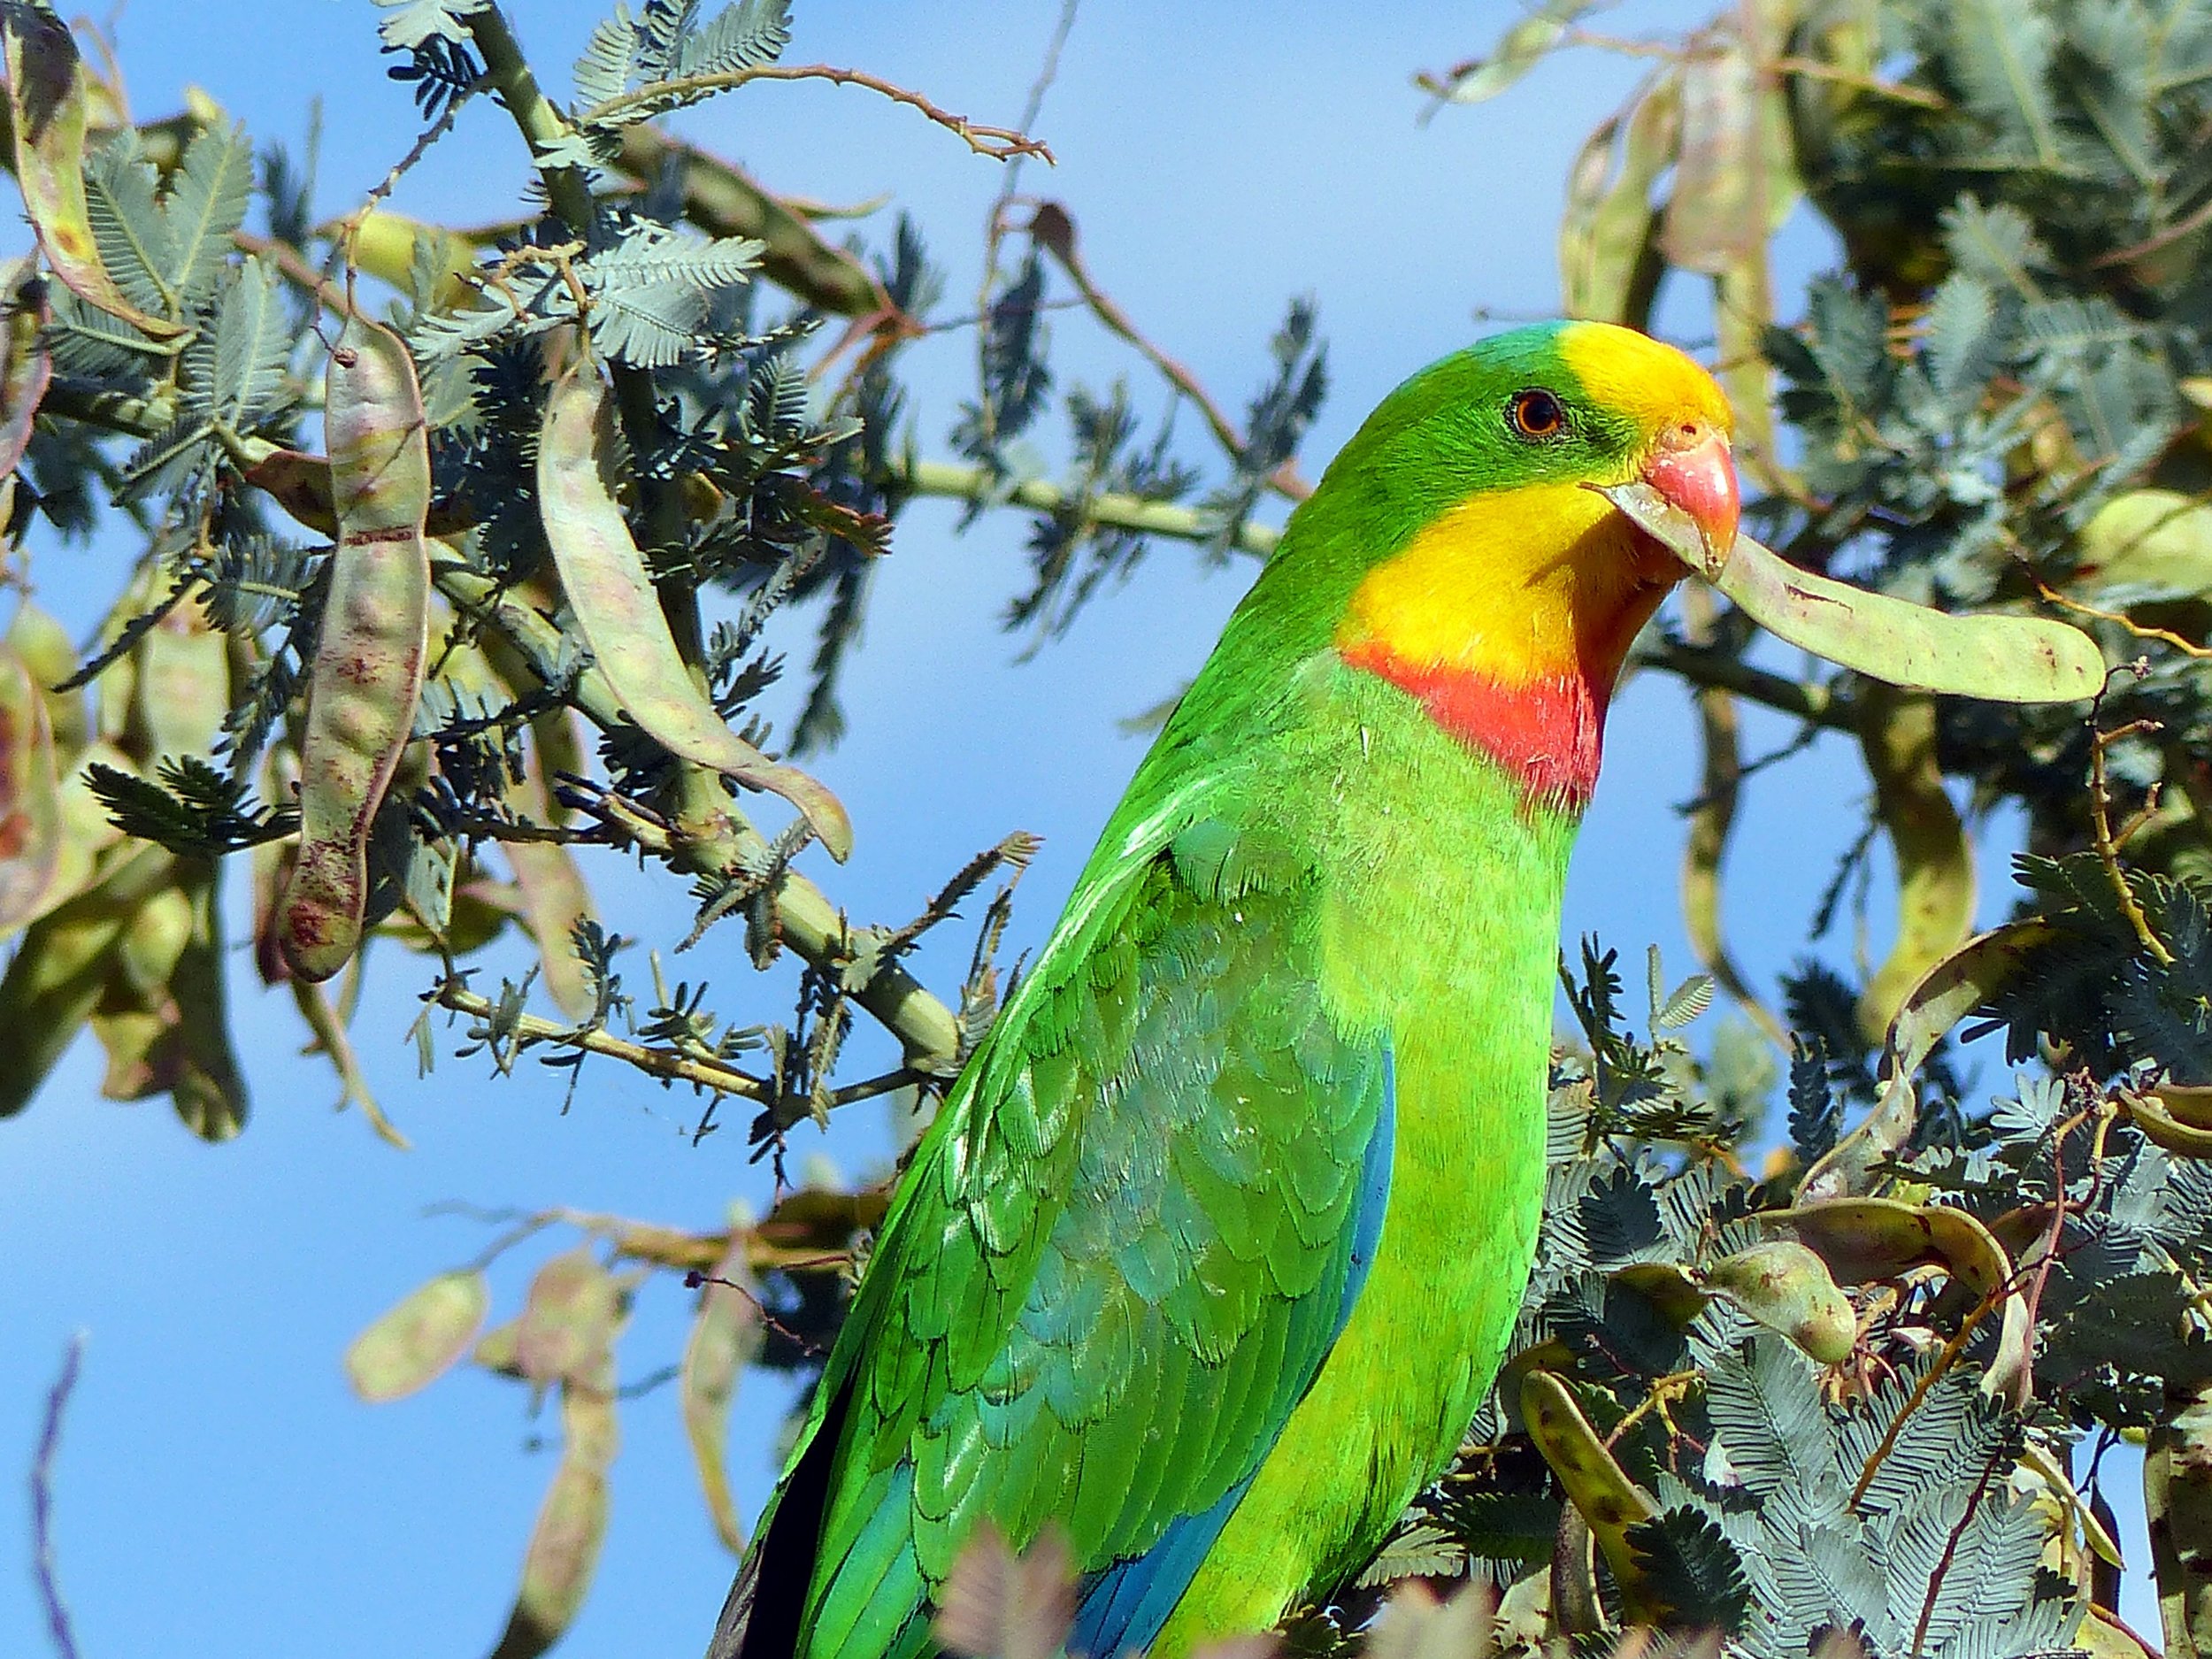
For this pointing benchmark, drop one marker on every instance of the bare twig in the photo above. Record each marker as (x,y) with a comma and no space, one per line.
(2100,821)
(42,1500)
(999,142)
(1054,229)
(2164,636)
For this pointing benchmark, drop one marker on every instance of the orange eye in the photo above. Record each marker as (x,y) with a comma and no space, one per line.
(1536,414)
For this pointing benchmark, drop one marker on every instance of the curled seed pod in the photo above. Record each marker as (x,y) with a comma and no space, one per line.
(2154,1115)
(604,577)
(1786,1287)
(46,104)
(2185,1104)
(368,666)
(1948,993)
(1867,1239)
(1935,859)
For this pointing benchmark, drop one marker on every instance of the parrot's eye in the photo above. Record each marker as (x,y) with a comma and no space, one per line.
(1536,414)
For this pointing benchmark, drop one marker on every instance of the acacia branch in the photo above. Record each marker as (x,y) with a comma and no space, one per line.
(1112,510)
(670,1064)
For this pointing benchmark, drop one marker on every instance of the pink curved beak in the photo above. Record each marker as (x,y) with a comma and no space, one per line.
(1693,469)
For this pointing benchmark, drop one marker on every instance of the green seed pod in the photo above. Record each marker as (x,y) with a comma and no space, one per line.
(1786,1287)
(1866,1239)
(368,667)
(1996,658)
(604,577)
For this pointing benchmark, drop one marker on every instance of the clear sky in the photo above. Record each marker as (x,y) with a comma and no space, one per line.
(220,1490)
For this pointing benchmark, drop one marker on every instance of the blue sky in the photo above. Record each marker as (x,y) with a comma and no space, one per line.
(219,1491)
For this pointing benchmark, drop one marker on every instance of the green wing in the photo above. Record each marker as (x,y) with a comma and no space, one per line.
(1116,1264)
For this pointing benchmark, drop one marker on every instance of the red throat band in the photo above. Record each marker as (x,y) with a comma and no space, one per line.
(1548,734)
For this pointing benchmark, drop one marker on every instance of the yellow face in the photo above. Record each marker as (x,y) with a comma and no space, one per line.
(1532,582)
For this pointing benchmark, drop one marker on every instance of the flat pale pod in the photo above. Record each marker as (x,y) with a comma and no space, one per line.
(1997,658)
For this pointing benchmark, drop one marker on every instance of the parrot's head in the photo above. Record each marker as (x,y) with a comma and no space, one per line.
(1477,564)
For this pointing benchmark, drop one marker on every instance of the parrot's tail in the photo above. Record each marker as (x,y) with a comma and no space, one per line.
(760,1619)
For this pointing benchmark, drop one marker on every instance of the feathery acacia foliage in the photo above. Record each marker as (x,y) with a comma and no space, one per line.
(1858,1397)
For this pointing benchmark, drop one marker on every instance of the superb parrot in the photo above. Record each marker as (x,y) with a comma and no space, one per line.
(1216,1242)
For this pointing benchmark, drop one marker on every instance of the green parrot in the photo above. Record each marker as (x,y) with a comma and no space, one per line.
(1214,1247)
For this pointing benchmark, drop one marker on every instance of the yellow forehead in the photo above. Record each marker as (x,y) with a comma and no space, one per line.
(1650,383)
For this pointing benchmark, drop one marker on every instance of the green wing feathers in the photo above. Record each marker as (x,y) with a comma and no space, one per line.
(1123,1252)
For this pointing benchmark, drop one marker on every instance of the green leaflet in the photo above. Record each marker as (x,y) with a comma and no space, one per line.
(604,577)
(368,666)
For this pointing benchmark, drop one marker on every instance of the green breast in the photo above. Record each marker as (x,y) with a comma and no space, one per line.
(1441,928)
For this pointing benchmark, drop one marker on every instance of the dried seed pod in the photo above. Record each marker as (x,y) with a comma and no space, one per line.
(26,365)
(2153,1113)
(1596,1483)
(368,667)
(1786,1287)
(1935,857)
(571,1314)
(30,794)
(725,1337)
(604,577)
(46,104)
(416,1342)
(557,1567)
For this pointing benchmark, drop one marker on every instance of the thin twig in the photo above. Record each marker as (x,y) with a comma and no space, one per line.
(42,1500)
(1054,229)
(998,143)
(1951,1548)
(2101,824)
(2164,636)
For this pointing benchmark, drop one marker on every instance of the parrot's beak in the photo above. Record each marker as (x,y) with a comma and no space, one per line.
(1691,467)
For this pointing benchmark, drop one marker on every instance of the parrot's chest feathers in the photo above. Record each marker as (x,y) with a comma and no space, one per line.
(1507,619)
